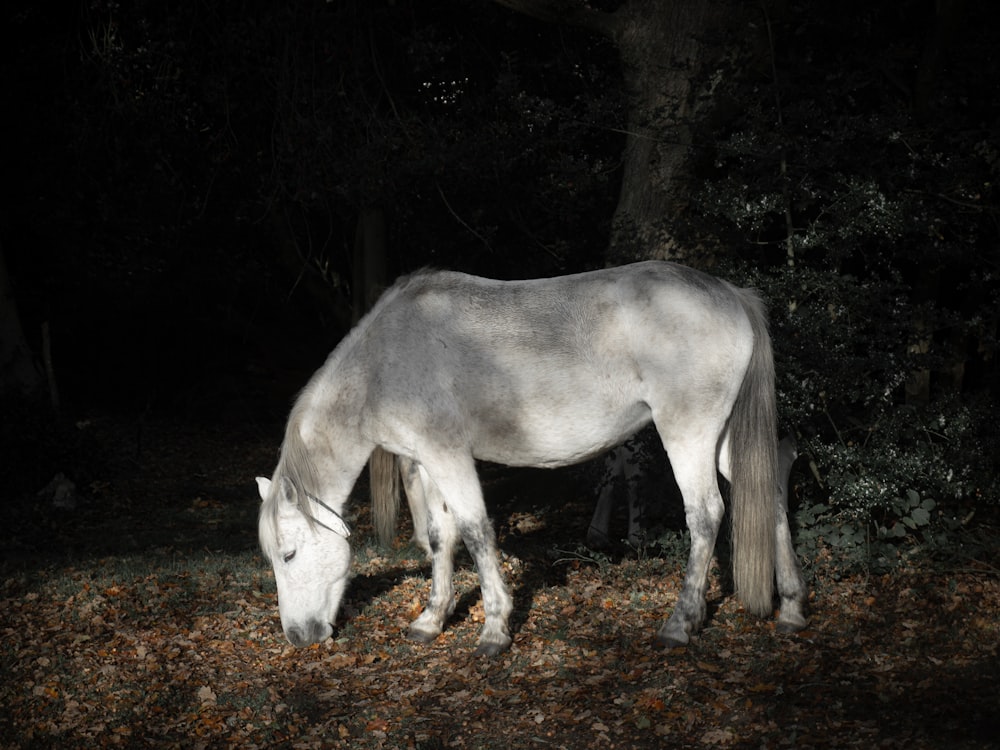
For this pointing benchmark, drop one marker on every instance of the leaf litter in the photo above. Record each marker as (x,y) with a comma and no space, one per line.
(177,648)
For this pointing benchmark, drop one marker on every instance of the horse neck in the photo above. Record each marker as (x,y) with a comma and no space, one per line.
(323,447)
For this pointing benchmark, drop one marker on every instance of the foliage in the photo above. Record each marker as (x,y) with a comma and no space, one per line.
(181,174)
(873,235)
(845,356)
(317,112)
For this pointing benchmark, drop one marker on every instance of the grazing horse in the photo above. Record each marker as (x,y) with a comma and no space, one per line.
(448,368)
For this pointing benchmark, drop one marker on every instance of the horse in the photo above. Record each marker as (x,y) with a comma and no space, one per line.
(447,368)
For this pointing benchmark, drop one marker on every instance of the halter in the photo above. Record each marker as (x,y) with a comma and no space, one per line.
(327,508)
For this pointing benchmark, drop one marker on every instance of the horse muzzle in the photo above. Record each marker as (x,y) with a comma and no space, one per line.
(312,632)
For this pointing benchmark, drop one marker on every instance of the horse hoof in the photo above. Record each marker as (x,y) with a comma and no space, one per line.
(790,627)
(792,618)
(669,637)
(672,635)
(598,541)
(668,643)
(492,649)
(420,636)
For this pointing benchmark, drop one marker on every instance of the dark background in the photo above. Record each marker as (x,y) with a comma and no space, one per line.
(151,185)
(183,186)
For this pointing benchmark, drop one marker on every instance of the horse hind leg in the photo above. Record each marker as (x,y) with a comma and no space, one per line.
(416,498)
(480,540)
(791,586)
(434,524)
(792,590)
(694,470)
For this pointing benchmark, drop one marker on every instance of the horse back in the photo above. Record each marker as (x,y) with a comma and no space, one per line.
(546,371)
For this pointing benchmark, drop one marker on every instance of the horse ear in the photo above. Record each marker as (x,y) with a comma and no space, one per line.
(263,487)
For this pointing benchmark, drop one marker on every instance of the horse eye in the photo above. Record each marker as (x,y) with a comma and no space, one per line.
(289,557)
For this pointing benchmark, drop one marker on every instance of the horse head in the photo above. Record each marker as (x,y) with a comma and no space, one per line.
(306,542)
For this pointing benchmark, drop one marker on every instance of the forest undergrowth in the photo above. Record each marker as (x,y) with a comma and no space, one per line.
(145,617)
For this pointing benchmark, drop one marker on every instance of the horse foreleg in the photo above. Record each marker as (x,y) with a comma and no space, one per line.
(438,528)
(622,463)
(791,586)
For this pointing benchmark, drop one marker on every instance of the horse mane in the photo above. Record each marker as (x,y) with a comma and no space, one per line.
(294,463)
(297,467)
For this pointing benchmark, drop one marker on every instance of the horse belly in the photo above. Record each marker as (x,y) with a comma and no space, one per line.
(557,433)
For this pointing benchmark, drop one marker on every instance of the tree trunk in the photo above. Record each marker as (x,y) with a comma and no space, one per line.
(674,54)
(370,251)
(663,56)
(18,373)
(311,280)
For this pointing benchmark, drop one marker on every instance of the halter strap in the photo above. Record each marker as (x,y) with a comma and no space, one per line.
(327,508)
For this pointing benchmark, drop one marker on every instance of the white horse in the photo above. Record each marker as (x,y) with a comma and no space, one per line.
(448,368)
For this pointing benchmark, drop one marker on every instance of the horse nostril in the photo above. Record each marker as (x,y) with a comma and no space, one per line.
(321,631)
(314,631)
(297,638)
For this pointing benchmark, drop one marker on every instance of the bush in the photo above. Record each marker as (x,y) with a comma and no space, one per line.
(873,236)
(885,468)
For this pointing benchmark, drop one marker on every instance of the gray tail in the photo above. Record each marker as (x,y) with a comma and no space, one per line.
(753,433)
(384,480)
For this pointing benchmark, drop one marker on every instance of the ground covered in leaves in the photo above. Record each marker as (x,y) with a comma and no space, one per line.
(144,617)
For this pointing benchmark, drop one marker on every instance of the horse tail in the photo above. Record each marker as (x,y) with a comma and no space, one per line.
(384,480)
(753,432)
